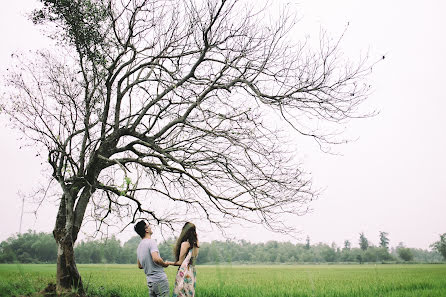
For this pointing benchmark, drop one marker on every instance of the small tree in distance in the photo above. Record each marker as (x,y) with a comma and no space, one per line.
(384,239)
(156,110)
(440,246)
(347,245)
(404,253)
(363,242)
(307,242)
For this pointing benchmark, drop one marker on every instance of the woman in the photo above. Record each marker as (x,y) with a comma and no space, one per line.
(186,251)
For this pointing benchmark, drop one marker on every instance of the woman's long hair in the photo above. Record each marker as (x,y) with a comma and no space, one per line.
(189,234)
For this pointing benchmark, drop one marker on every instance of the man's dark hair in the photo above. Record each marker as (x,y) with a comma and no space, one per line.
(140,228)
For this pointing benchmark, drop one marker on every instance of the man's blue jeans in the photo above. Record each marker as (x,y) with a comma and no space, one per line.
(159,289)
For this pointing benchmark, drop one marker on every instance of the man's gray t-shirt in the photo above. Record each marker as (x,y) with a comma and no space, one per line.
(153,271)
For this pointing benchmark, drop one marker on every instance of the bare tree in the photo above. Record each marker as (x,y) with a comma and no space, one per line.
(175,103)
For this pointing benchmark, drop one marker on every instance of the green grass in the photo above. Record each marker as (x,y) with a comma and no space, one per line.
(255,281)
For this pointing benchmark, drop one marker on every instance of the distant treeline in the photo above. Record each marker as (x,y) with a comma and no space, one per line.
(32,247)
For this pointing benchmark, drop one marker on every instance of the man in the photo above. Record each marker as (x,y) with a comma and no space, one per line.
(150,260)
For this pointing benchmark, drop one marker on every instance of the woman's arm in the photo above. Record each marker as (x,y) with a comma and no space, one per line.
(183,252)
(195,250)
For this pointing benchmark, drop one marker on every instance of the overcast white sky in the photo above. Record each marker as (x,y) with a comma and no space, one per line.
(393,178)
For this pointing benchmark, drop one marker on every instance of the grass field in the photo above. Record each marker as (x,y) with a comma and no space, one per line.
(250,281)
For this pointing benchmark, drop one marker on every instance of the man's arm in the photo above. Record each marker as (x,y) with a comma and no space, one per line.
(158,260)
(139,265)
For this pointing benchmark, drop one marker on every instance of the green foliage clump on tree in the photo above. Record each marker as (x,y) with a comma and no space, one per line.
(81,22)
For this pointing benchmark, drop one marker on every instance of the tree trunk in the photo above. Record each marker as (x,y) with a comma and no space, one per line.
(68,276)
